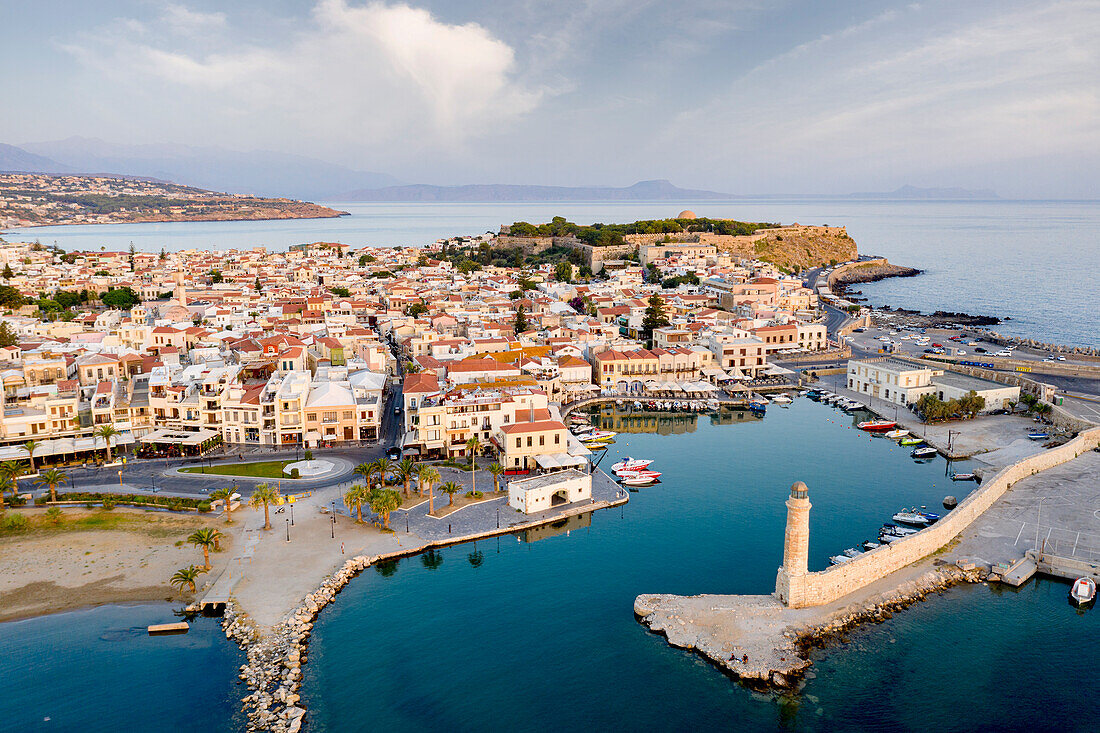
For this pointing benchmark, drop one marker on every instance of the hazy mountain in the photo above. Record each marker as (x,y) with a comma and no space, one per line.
(259,172)
(659,190)
(17,160)
(912,192)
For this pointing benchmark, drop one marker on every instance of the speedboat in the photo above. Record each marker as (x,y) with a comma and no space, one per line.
(930,516)
(782,399)
(895,434)
(964,477)
(638,481)
(924,452)
(839,559)
(1038,435)
(912,441)
(854,406)
(871,545)
(893,530)
(911,518)
(888,538)
(877,426)
(853,552)
(598,435)
(1083,591)
(629,463)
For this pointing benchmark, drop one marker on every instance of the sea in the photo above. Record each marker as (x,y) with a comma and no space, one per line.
(1034,264)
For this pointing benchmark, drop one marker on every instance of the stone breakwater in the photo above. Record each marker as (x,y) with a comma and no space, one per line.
(869,273)
(273,672)
(1041,345)
(764,644)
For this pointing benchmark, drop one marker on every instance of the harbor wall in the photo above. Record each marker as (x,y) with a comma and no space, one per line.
(826,586)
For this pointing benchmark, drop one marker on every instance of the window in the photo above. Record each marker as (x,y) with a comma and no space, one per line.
(528,441)
(542,440)
(557,439)
(519,442)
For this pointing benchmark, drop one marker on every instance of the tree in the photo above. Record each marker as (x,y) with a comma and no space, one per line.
(7,335)
(426,479)
(8,274)
(405,471)
(123,298)
(256,285)
(264,495)
(186,578)
(106,431)
(31,446)
(216,277)
(450,489)
(10,297)
(384,501)
(131,256)
(163,255)
(366,259)
(417,309)
(225,495)
(521,324)
(497,471)
(563,272)
(206,538)
(654,316)
(9,478)
(366,470)
(340,291)
(51,478)
(472,445)
(383,466)
(526,283)
(354,498)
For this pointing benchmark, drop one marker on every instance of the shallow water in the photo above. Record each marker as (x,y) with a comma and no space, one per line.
(526,635)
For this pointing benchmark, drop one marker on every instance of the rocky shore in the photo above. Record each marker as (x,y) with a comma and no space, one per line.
(764,644)
(869,273)
(938,319)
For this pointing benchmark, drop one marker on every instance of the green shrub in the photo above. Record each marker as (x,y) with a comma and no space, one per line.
(13,521)
(204,507)
(295,473)
(309,455)
(18,500)
(474,494)
(108,504)
(54,514)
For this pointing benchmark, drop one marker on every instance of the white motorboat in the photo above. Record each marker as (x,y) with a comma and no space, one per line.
(853,552)
(839,559)
(1083,591)
(911,518)
(925,452)
(638,481)
(629,463)
(895,531)
(782,399)
(896,434)
(624,475)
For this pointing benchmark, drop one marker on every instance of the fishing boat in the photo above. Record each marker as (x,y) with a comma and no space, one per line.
(910,517)
(911,441)
(638,481)
(839,559)
(1038,435)
(853,552)
(1083,591)
(924,452)
(877,426)
(629,463)
(893,530)
(871,545)
(782,399)
(964,477)
(895,434)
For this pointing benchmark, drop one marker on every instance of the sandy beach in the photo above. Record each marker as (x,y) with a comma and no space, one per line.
(129,556)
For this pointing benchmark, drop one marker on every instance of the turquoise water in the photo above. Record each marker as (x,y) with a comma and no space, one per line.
(1033,262)
(529,635)
(98,670)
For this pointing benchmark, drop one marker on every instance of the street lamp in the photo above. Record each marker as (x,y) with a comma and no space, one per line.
(288,530)
(334,511)
(292,514)
(332,528)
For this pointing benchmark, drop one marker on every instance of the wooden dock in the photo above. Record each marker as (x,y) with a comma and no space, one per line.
(179,627)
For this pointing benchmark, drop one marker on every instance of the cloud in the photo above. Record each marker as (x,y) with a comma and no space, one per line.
(384,72)
(918,89)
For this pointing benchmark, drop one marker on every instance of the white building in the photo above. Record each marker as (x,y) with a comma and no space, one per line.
(549,490)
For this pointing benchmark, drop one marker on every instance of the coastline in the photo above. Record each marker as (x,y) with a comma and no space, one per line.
(197,220)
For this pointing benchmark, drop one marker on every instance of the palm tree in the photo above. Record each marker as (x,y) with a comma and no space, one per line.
(384,501)
(265,495)
(497,471)
(450,489)
(404,471)
(383,466)
(31,446)
(472,445)
(9,478)
(354,498)
(106,431)
(427,477)
(186,577)
(366,470)
(225,495)
(51,478)
(205,538)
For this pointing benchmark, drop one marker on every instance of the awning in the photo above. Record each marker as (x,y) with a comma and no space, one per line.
(64,447)
(178,437)
(559,460)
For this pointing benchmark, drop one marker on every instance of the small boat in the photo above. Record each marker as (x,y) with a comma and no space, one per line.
(894,530)
(871,545)
(853,552)
(782,399)
(912,441)
(1038,436)
(839,559)
(757,409)
(924,452)
(854,406)
(638,481)
(895,434)
(888,538)
(964,477)
(930,516)
(877,426)
(1083,591)
(629,463)
(911,518)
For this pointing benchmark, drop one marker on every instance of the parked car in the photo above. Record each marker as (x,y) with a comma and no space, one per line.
(393,453)
(979,349)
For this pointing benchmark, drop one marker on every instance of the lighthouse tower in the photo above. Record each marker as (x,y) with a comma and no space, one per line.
(789,585)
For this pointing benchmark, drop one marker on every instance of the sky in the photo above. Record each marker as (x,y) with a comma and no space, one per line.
(739,96)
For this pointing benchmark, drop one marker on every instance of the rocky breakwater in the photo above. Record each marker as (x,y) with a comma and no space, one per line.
(766,644)
(868,272)
(273,671)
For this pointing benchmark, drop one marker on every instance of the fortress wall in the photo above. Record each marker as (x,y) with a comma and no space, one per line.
(825,586)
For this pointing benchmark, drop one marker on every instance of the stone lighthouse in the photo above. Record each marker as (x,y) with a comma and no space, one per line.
(789,583)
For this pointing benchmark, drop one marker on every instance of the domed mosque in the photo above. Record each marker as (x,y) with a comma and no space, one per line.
(686,214)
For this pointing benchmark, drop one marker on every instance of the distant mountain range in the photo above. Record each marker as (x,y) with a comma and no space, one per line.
(258,172)
(659,190)
(273,174)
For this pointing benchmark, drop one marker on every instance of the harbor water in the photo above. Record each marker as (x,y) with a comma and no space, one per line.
(995,258)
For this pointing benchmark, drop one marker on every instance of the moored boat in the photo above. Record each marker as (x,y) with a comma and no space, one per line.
(893,530)
(1038,435)
(964,476)
(839,559)
(629,463)
(924,452)
(908,517)
(1083,591)
(782,399)
(895,434)
(870,545)
(638,481)
(853,552)
(877,426)
(911,441)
